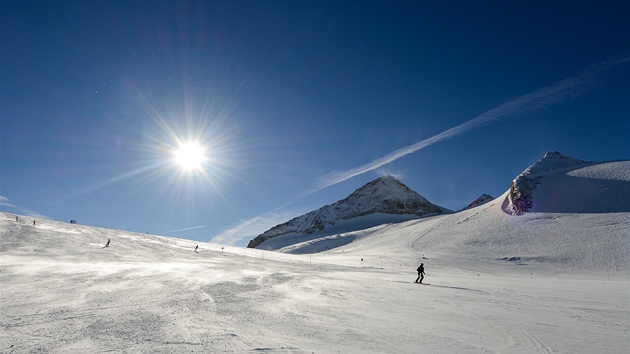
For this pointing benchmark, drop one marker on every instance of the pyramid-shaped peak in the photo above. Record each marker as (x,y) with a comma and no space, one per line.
(387,178)
(387,181)
(387,187)
(384,195)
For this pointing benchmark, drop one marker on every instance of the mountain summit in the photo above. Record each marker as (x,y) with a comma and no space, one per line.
(384,195)
(520,197)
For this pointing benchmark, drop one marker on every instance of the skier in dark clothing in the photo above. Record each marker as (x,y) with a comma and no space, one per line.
(107,245)
(420,273)
(196,248)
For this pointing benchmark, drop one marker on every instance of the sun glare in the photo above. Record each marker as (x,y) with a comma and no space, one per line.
(190,156)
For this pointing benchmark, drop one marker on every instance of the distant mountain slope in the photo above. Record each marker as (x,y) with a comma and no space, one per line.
(385,195)
(483,199)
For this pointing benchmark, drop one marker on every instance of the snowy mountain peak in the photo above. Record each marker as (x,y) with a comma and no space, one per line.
(552,161)
(384,195)
(389,182)
(386,189)
(520,194)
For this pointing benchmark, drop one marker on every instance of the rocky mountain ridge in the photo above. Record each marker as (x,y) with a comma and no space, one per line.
(385,195)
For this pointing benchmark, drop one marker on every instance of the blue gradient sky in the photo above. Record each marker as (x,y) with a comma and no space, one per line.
(299,103)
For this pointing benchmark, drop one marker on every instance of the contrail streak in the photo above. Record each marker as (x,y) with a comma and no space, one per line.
(572,87)
(186,229)
(235,230)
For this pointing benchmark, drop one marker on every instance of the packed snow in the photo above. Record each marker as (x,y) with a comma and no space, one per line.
(552,281)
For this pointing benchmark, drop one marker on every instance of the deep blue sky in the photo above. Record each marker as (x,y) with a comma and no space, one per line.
(96,94)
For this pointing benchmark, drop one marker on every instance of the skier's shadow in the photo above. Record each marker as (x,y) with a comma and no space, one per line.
(439,286)
(457,288)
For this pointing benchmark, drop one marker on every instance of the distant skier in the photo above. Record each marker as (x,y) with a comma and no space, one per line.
(16,218)
(33,222)
(107,245)
(196,248)
(420,273)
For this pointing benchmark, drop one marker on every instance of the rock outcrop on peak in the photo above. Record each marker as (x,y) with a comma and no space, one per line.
(384,195)
(522,187)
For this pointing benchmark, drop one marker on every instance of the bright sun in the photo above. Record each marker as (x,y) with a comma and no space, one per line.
(190,156)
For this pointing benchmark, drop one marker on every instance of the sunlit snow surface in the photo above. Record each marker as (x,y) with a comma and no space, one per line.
(543,282)
(63,292)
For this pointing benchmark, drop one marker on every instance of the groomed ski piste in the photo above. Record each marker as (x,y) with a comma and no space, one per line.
(552,281)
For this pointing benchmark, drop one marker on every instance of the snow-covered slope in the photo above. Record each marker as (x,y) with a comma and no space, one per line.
(383,200)
(567,242)
(62,291)
(578,219)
